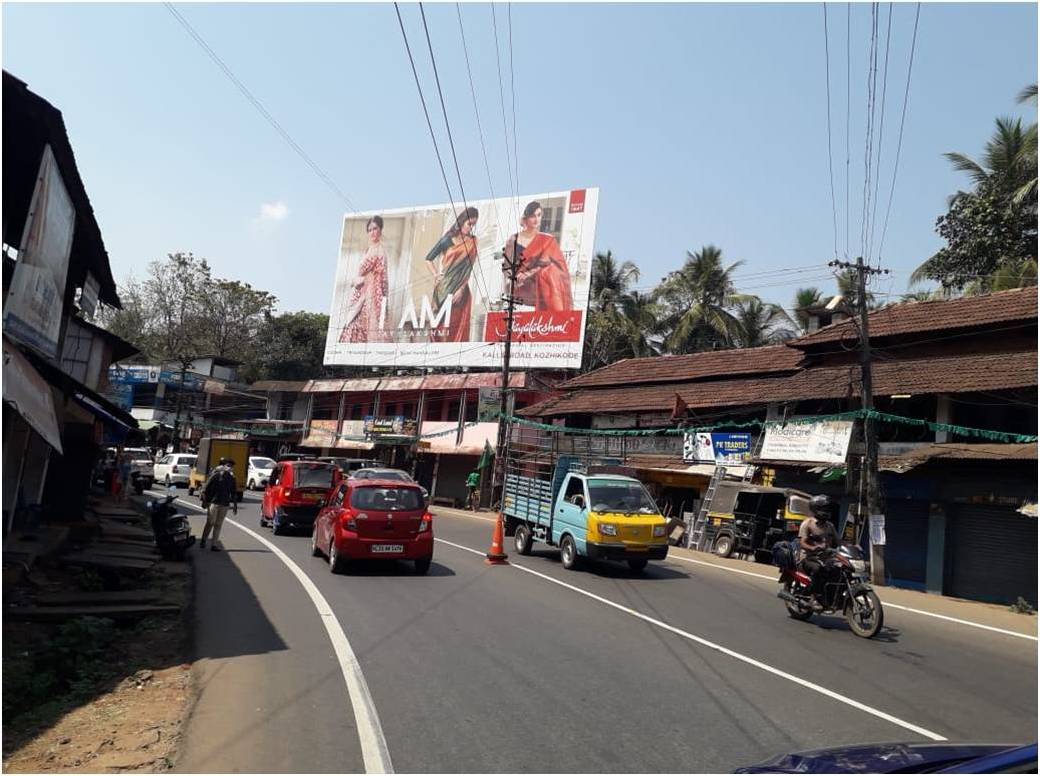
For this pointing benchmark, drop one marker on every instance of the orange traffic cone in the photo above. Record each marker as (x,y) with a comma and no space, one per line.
(496,555)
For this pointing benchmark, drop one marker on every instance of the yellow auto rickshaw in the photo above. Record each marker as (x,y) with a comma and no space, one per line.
(749,519)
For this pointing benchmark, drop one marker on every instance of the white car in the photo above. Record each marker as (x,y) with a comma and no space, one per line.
(173,469)
(260,469)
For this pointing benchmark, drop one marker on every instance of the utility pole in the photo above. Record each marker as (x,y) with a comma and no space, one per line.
(514,268)
(870,458)
(177,416)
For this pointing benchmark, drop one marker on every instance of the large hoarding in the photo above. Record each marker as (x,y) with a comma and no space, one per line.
(426,286)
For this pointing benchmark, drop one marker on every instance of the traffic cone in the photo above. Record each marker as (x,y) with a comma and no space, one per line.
(496,555)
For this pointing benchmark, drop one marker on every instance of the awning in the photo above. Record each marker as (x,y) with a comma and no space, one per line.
(100,412)
(148,425)
(30,394)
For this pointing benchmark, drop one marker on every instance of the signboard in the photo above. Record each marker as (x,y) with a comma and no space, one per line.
(717,448)
(121,395)
(26,390)
(489,403)
(823,442)
(397,425)
(877,530)
(88,296)
(33,310)
(425,286)
(133,374)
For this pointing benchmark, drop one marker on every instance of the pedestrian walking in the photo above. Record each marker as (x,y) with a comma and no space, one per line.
(123,473)
(473,486)
(219,493)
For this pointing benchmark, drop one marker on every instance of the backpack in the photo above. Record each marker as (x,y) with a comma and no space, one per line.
(785,554)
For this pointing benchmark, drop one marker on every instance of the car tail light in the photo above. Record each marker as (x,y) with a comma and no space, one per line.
(350,519)
(424,524)
(176,470)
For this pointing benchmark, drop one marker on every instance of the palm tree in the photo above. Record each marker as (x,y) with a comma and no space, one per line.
(643,315)
(611,281)
(1016,274)
(804,298)
(1008,161)
(694,303)
(761,323)
(848,289)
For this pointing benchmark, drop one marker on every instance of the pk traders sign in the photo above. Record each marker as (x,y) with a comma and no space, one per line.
(717,448)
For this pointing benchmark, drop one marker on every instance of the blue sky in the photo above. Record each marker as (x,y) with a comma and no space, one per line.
(700,124)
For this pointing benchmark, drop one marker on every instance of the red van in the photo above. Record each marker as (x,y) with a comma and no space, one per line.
(296,492)
(368,519)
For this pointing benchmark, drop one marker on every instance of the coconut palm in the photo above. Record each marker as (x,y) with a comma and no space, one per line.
(761,323)
(611,280)
(695,302)
(804,298)
(1008,161)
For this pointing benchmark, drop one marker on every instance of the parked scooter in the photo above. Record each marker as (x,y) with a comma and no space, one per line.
(137,482)
(842,588)
(171,530)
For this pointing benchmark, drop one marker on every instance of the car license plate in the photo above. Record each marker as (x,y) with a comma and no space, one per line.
(386,548)
(313,496)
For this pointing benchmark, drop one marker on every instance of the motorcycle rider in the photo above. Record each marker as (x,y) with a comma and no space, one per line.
(816,537)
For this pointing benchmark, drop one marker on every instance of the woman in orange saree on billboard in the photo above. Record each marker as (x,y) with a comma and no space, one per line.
(451,262)
(362,322)
(543,280)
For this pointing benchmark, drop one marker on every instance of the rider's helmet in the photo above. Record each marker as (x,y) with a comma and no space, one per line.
(820,507)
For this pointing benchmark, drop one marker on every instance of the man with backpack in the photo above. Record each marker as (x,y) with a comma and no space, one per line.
(219,493)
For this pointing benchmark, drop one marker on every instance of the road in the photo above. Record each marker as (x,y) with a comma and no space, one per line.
(528,667)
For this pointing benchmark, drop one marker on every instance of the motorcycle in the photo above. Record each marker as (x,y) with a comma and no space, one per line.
(171,530)
(139,482)
(842,588)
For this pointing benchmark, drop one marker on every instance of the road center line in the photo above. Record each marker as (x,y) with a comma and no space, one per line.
(374,750)
(922,612)
(719,648)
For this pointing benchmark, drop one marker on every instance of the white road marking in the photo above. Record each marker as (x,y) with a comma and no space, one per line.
(719,648)
(888,604)
(924,613)
(374,750)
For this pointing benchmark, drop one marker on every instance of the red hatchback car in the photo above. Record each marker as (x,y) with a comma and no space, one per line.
(368,519)
(296,492)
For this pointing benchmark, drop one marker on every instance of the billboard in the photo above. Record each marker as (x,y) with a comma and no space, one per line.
(718,448)
(426,286)
(821,442)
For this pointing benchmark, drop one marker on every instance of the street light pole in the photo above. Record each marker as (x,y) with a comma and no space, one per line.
(177,416)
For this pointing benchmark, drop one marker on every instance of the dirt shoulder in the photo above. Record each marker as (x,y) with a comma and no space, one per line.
(91,694)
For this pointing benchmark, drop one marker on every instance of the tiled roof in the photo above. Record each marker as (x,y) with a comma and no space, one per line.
(1002,307)
(695,366)
(291,386)
(947,374)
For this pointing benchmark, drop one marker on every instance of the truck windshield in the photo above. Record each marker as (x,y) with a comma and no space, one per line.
(620,496)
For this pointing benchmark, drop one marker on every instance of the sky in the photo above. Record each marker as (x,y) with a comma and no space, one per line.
(701,124)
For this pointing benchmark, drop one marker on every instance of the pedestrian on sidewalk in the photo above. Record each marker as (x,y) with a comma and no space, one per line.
(123,473)
(219,493)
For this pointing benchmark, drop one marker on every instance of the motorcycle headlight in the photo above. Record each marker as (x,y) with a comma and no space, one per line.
(659,530)
(608,529)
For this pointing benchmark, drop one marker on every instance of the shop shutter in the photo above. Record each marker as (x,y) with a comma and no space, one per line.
(906,539)
(993,554)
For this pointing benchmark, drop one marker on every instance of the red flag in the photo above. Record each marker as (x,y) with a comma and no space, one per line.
(679,409)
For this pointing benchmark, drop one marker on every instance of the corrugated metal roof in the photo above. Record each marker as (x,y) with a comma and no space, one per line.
(957,451)
(694,366)
(1000,307)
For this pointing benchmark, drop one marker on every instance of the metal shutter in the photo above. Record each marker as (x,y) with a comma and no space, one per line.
(906,538)
(992,554)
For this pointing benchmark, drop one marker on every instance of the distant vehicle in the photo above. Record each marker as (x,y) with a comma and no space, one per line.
(375,473)
(750,519)
(905,758)
(348,465)
(259,472)
(173,469)
(297,457)
(140,465)
(374,518)
(211,450)
(296,492)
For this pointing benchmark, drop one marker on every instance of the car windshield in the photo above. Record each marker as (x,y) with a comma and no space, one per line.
(620,496)
(386,499)
(313,475)
(388,474)
(138,455)
(262,463)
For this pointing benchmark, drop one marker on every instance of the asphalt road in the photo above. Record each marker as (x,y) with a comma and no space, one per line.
(501,669)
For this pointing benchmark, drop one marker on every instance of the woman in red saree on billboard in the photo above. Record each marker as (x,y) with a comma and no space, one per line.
(543,280)
(362,322)
(451,262)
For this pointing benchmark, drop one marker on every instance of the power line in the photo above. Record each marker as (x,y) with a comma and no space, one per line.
(261,109)
(868,150)
(830,153)
(502,105)
(902,122)
(848,116)
(455,158)
(476,110)
(512,92)
(881,137)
